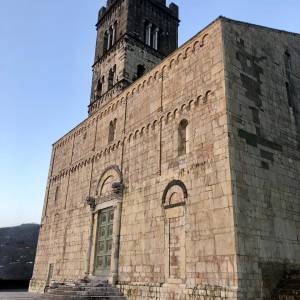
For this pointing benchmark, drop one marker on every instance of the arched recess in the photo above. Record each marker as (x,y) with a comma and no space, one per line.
(111,174)
(107,224)
(174,203)
(174,187)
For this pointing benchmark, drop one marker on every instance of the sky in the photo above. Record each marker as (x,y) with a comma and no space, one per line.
(46,53)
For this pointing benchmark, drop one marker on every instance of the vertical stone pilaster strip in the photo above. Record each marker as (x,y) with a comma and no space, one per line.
(90,241)
(116,242)
(160,123)
(124,131)
(91,231)
(69,175)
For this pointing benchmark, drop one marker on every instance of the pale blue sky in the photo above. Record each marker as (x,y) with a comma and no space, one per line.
(46,53)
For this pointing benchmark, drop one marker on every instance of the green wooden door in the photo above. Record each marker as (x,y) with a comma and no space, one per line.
(104,242)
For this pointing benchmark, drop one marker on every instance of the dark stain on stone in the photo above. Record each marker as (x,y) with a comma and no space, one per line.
(253,89)
(251,139)
(251,73)
(255,115)
(269,144)
(265,165)
(258,131)
(267,155)
(255,140)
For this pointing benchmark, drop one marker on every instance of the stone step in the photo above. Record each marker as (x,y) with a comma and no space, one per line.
(86,288)
(64,297)
(86,293)
(92,289)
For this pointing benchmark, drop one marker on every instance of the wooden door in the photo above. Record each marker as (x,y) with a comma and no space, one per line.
(104,242)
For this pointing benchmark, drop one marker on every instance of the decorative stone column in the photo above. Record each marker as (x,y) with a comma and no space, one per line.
(113,35)
(92,204)
(155,38)
(148,34)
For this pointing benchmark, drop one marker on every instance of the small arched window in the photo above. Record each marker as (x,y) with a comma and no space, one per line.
(110,37)
(140,70)
(105,42)
(99,88)
(111,77)
(56,195)
(112,130)
(183,137)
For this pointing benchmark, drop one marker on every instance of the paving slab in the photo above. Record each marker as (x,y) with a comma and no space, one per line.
(17,296)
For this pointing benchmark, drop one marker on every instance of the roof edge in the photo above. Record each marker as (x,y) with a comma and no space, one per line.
(258,26)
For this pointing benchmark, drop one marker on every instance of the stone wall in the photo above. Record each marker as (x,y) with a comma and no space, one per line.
(264,151)
(185,199)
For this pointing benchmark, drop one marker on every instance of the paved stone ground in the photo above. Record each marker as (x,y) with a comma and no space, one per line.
(16,296)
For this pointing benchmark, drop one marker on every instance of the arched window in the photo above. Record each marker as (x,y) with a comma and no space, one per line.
(99,88)
(105,42)
(111,77)
(56,195)
(183,137)
(140,70)
(110,37)
(112,130)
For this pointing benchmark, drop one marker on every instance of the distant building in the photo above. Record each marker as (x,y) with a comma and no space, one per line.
(183,182)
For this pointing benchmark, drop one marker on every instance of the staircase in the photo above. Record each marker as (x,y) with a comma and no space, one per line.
(82,290)
(289,287)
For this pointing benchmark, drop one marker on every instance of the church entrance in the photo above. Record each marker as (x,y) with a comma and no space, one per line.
(104,242)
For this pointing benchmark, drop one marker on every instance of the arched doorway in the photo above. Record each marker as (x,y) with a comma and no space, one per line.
(107,224)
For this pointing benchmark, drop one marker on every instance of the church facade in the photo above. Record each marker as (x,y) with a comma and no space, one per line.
(183,181)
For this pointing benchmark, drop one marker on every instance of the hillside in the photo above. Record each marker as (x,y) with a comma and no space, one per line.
(17,251)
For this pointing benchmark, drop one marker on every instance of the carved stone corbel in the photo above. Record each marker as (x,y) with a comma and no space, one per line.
(91,202)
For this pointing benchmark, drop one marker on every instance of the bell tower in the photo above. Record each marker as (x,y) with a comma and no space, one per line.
(132,37)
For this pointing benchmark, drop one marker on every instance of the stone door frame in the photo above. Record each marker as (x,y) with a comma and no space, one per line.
(113,200)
